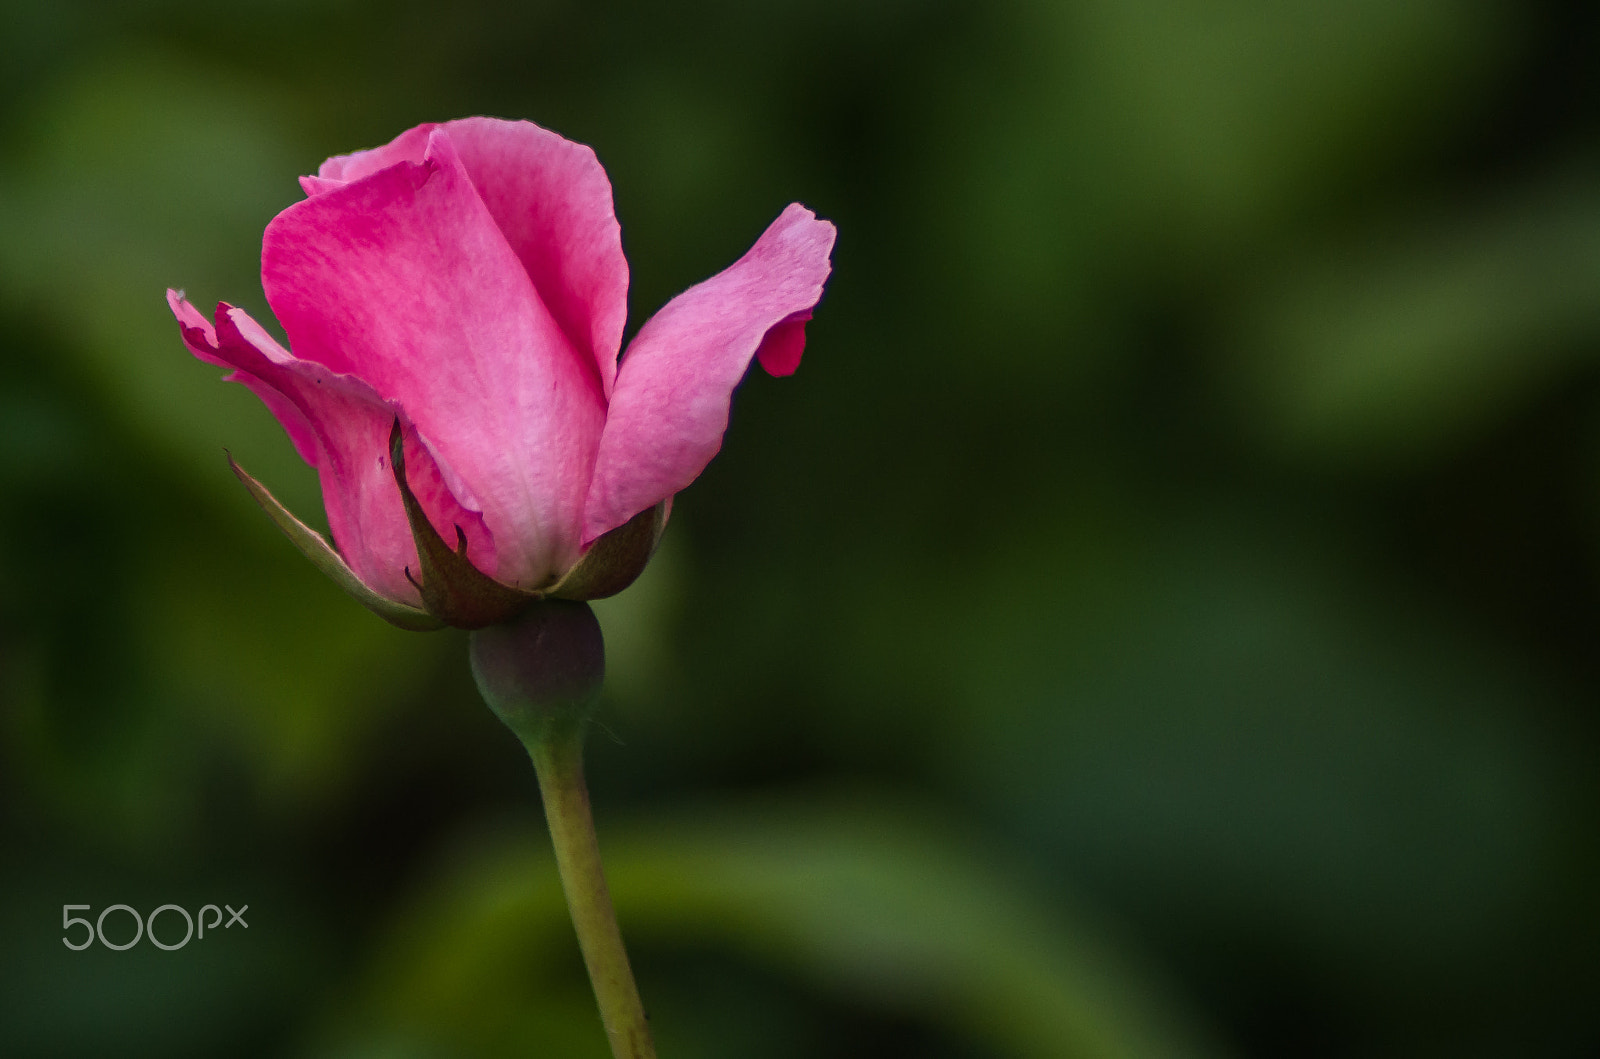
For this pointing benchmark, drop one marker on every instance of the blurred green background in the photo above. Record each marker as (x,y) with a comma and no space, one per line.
(1159,619)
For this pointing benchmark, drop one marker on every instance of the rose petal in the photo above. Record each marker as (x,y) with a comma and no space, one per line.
(552,201)
(781,349)
(341,427)
(315,185)
(409,146)
(402,278)
(670,406)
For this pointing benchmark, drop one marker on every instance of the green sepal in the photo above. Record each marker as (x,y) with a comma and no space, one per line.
(453,590)
(316,548)
(616,558)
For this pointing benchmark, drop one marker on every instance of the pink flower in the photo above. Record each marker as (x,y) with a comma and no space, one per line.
(455,306)
(454,303)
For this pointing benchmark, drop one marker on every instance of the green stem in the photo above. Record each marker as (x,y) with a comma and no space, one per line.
(556,747)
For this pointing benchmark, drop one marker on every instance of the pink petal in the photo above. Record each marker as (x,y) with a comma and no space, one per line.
(341,427)
(315,185)
(781,349)
(551,200)
(402,278)
(409,146)
(670,406)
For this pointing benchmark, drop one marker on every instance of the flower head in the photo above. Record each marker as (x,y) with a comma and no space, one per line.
(454,303)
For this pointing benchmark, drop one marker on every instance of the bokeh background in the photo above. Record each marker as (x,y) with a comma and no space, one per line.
(1159,619)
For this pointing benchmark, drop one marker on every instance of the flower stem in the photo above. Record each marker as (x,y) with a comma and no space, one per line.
(556,747)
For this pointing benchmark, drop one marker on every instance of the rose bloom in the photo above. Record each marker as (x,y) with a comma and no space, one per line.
(454,303)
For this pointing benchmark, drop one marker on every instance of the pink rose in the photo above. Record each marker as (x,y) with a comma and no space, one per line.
(455,302)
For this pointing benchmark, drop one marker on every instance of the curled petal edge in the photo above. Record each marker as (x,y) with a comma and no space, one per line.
(315,546)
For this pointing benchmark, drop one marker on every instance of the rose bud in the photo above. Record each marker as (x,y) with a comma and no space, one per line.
(454,303)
